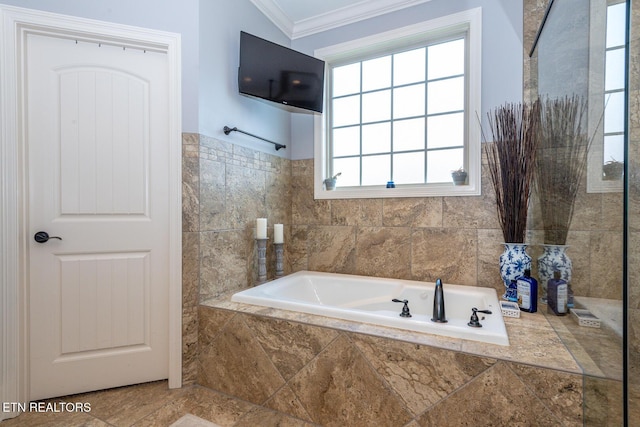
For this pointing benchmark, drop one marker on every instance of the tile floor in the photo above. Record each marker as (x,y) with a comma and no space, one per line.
(154,404)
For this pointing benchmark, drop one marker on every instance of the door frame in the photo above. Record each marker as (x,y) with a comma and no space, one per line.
(15,24)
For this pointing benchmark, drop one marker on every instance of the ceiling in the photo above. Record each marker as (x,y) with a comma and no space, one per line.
(299,18)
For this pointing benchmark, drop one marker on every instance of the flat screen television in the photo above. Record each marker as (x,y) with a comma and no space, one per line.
(279,74)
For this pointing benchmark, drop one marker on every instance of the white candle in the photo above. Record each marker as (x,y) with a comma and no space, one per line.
(278,233)
(261,228)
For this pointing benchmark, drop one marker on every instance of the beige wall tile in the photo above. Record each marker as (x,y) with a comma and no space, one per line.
(383,251)
(560,392)
(450,254)
(278,197)
(579,252)
(190,193)
(190,269)
(606,265)
(226,262)
(189,345)
(289,345)
(213,212)
(332,249)
(287,402)
(603,402)
(352,393)
(490,247)
(633,260)
(245,190)
(304,209)
(422,376)
(496,397)
(296,248)
(233,362)
(413,212)
(364,212)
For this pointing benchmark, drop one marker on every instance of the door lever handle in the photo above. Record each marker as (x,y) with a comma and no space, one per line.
(43,237)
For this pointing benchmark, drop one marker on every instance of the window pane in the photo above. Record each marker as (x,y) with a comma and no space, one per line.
(408,134)
(616,15)
(346,111)
(446,59)
(441,163)
(445,130)
(408,101)
(346,79)
(408,67)
(408,168)
(376,73)
(614,74)
(376,106)
(376,170)
(614,113)
(400,115)
(376,138)
(350,169)
(613,148)
(446,95)
(346,141)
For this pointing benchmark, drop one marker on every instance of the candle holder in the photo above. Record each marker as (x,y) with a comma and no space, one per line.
(262,260)
(279,259)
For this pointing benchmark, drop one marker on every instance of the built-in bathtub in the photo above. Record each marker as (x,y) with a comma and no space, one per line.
(369,300)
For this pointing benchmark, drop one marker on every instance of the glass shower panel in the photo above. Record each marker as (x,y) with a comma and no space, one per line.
(574,55)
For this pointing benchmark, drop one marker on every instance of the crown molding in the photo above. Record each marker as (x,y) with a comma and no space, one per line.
(272,11)
(334,19)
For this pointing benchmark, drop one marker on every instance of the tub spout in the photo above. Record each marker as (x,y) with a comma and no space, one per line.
(438,304)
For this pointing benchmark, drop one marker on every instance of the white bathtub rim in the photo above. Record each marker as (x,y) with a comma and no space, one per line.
(455,328)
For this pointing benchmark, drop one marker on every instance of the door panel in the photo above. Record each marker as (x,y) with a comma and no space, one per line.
(104,115)
(103,301)
(98,158)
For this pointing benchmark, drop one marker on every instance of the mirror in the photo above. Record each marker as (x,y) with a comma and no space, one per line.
(579,53)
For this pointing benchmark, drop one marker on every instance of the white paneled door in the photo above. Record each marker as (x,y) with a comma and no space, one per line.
(98,159)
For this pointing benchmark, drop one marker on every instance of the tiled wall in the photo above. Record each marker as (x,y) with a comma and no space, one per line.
(339,378)
(225,188)
(455,238)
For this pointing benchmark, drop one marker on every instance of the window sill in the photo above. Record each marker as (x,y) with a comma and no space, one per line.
(381,192)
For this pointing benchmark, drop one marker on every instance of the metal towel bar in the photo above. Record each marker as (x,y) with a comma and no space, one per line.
(228,130)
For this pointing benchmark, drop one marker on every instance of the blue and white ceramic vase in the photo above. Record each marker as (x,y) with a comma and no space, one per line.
(554,258)
(513,262)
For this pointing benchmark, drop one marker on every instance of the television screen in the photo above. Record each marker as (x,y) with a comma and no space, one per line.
(279,74)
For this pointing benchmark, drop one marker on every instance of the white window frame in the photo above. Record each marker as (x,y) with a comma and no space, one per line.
(468,20)
(595,181)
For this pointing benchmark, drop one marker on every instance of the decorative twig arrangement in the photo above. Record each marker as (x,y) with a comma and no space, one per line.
(511,157)
(560,164)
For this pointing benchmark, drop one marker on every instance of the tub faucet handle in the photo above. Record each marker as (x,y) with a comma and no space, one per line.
(405,308)
(474,321)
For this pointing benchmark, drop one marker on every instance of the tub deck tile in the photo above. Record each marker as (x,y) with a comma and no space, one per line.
(532,339)
(234,362)
(421,375)
(340,388)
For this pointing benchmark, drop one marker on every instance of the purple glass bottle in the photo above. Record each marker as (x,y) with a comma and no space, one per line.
(557,295)
(527,292)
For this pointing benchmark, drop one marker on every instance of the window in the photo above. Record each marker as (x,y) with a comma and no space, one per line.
(614,87)
(606,160)
(402,106)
